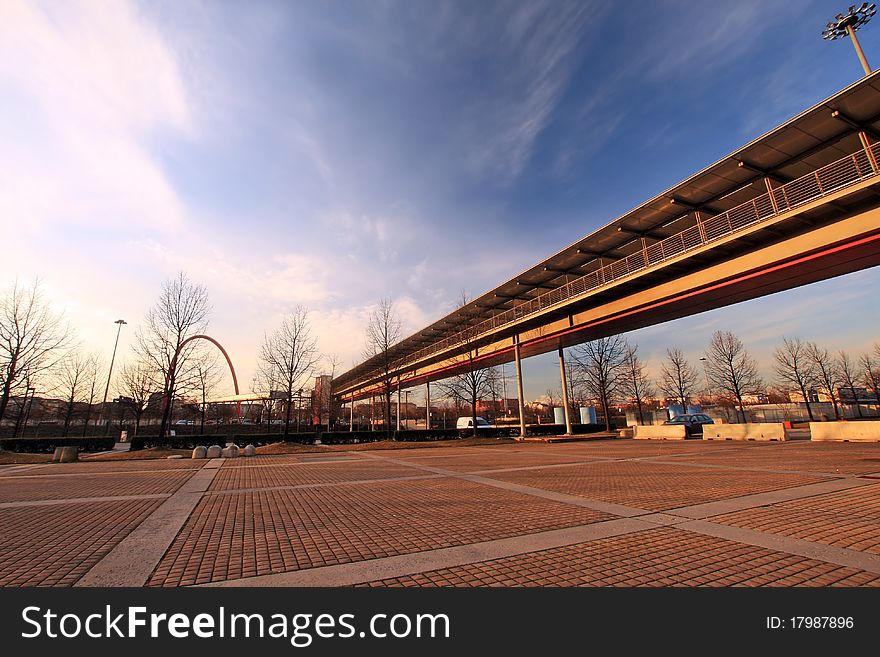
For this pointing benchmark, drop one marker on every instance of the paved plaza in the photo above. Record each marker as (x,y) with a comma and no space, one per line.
(595,513)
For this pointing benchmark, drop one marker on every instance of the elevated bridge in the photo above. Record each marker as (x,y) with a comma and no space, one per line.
(797,205)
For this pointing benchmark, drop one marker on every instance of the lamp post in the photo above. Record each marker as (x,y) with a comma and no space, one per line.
(845,25)
(119,323)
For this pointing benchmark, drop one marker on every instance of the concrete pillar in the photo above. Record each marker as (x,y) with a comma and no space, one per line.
(428,405)
(372,412)
(519,388)
(351,420)
(564,392)
(398,407)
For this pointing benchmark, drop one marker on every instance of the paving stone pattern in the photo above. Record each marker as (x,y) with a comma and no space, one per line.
(592,513)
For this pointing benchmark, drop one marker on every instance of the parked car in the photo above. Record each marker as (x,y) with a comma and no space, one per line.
(468,423)
(693,422)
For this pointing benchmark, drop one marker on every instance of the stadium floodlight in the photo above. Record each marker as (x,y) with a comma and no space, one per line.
(845,25)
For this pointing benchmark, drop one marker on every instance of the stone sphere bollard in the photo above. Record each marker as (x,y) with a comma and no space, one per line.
(69,454)
(230,452)
(213,452)
(250,450)
(200,452)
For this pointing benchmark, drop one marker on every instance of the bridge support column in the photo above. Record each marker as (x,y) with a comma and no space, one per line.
(351,419)
(565,404)
(372,413)
(428,405)
(519,388)
(398,407)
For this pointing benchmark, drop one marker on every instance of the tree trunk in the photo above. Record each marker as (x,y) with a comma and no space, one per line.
(807,402)
(474,414)
(287,414)
(607,413)
(4,397)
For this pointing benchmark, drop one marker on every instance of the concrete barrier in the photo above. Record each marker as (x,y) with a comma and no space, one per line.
(250,450)
(752,431)
(660,432)
(852,432)
(69,455)
(214,452)
(200,452)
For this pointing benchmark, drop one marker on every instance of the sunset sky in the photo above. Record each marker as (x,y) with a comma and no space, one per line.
(331,153)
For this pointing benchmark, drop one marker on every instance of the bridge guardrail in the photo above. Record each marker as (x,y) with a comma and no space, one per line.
(831,178)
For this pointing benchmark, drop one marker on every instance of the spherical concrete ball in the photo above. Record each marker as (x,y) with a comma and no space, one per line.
(230,452)
(200,452)
(250,450)
(214,452)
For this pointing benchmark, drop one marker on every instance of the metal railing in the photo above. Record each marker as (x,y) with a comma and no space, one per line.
(847,171)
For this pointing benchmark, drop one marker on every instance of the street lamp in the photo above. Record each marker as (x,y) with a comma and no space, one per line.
(119,323)
(845,25)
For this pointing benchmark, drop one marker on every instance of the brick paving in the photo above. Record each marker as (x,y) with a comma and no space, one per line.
(298,473)
(660,557)
(491,515)
(847,519)
(258,533)
(654,486)
(56,545)
(91,484)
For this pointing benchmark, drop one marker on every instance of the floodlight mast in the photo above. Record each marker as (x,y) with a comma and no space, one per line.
(845,25)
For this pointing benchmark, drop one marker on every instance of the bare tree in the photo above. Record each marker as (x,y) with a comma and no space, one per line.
(473,383)
(383,331)
(795,368)
(136,384)
(872,374)
(731,368)
(826,372)
(32,338)
(849,377)
(181,312)
(207,375)
(678,378)
(600,366)
(635,382)
(72,385)
(289,356)
(91,398)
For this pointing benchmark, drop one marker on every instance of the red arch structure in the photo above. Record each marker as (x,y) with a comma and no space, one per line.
(173,367)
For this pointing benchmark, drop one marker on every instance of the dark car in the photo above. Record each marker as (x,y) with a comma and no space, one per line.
(693,423)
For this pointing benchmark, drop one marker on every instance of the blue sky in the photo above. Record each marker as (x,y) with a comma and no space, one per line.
(334,153)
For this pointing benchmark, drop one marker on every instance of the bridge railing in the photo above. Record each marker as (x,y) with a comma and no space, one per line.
(833,177)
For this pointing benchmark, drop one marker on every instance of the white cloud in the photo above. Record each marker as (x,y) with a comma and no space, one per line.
(85,86)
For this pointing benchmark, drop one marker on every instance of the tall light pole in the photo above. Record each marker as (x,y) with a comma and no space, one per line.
(845,25)
(119,323)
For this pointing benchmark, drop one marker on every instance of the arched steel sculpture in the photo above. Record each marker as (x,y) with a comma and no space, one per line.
(173,367)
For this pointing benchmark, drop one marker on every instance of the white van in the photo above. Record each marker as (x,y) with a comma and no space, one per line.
(468,423)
